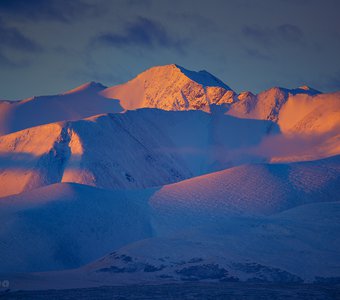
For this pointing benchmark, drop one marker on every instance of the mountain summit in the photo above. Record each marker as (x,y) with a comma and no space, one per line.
(172,87)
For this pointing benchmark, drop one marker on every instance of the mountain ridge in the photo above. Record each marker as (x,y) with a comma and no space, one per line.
(168,87)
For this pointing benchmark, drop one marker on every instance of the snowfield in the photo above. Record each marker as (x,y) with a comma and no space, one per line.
(201,222)
(170,177)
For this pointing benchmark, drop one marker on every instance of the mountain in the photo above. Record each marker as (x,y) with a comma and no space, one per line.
(252,190)
(109,151)
(67,225)
(281,248)
(296,111)
(171,87)
(78,103)
(172,176)
(145,148)
(137,149)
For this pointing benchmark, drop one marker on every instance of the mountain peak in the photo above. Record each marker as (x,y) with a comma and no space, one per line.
(91,86)
(308,90)
(202,77)
(171,87)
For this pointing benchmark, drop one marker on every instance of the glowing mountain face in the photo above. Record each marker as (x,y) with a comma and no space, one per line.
(172,87)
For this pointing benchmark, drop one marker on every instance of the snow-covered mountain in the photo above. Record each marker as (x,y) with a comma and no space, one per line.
(69,225)
(257,222)
(145,148)
(83,101)
(255,189)
(142,148)
(172,87)
(300,244)
(180,176)
(301,112)
(66,225)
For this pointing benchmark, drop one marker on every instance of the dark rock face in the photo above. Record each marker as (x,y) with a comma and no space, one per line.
(263,273)
(199,272)
(328,280)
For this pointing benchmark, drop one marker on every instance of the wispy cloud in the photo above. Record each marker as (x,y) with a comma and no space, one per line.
(142,32)
(12,38)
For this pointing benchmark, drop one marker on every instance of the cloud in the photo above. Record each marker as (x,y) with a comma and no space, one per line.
(12,38)
(287,33)
(47,10)
(142,32)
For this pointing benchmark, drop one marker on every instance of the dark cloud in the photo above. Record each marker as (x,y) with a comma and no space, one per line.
(12,38)
(273,36)
(47,10)
(142,32)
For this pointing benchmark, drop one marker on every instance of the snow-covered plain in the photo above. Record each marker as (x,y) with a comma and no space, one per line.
(172,176)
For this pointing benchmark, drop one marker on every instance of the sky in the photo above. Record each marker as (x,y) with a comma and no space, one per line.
(50,46)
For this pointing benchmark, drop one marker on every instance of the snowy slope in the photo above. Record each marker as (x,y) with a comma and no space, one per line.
(311,115)
(66,225)
(98,221)
(257,189)
(146,147)
(300,244)
(309,122)
(297,111)
(171,87)
(78,103)
(280,248)
(110,151)
(136,149)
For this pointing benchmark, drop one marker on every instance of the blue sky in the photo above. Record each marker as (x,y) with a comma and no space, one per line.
(49,46)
